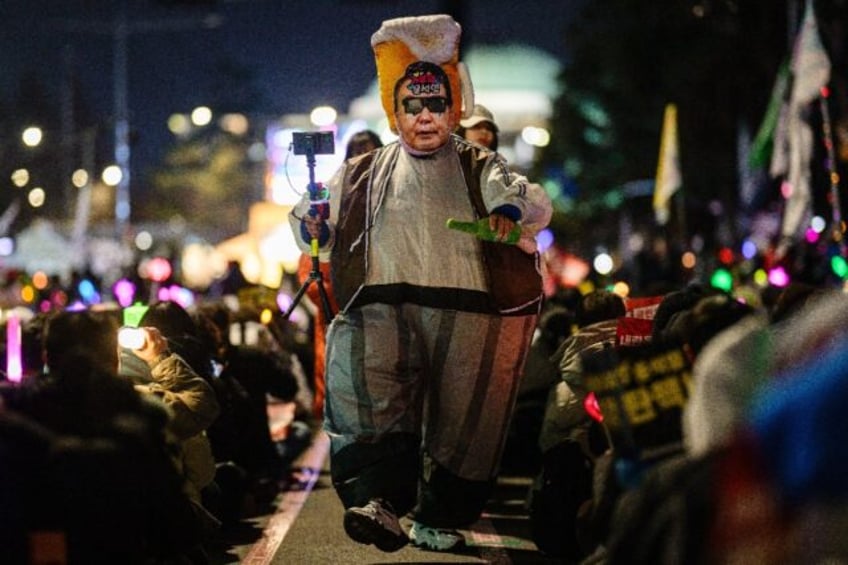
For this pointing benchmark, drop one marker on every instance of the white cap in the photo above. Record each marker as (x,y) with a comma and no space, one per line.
(479,115)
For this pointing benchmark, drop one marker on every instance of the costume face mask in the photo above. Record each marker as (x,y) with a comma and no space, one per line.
(424,122)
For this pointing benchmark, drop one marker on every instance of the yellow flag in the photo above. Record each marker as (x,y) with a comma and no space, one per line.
(668,179)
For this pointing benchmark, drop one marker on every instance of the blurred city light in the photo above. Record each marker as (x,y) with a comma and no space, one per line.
(79,178)
(323,116)
(839,266)
(112,175)
(722,280)
(36,197)
(725,255)
(20,177)
(818,224)
(236,124)
(39,280)
(811,235)
(144,240)
(176,293)
(778,277)
(124,291)
(179,124)
(266,316)
(157,269)
(7,246)
(603,263)
(284,301)
(688,260)
(544,240)
(621,288)
(201,265)
(32,136)
(749,249)
(535,136)
(28,293)
(77,306)
(88,292)
(586,286)
(201,116)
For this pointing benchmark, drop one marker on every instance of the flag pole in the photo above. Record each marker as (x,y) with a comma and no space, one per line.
(837,231)
(681,217)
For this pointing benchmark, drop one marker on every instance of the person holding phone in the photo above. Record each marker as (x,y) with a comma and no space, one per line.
(425,355)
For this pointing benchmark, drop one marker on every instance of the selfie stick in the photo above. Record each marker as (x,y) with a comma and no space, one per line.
(319,206)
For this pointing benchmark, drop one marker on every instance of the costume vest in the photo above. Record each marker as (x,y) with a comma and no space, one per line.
(512,276)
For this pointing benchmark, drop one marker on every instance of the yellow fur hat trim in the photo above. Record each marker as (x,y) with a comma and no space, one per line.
(435,39)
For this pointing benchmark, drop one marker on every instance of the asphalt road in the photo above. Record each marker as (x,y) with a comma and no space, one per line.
(304,527)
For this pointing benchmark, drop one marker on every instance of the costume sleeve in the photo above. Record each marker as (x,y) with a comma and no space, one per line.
(302,208)
(516,197)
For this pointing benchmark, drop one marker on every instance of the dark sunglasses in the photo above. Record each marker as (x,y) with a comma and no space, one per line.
(414,106)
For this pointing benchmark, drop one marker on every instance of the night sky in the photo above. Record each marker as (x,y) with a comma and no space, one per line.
(300,53)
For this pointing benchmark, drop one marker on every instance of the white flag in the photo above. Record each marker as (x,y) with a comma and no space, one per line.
(810,73)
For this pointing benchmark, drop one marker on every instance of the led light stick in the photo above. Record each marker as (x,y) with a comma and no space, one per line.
(14,365)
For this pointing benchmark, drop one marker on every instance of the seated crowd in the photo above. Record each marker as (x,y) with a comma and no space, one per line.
(143,454)
(712,437)
(691,427)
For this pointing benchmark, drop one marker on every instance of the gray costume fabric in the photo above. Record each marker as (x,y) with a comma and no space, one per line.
(421,375)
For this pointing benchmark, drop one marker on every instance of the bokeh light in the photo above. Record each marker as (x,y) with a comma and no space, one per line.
(112,175)
(32,136)
(603,263)
(749,249)
(20,177)
(839,266)
(778,277)
(621,288)
(79,178)
(36,197)
(722,279)
(144,240)
(124,291)
(544,240)
(725,255)
(323,116)
(201,116)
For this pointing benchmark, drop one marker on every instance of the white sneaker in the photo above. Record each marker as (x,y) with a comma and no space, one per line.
(435,539)
(375,523)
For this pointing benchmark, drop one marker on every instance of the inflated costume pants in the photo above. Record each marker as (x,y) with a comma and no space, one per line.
(418,404)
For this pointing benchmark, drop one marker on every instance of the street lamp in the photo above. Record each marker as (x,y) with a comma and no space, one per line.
(112,175)
(32,136)
(201,116)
